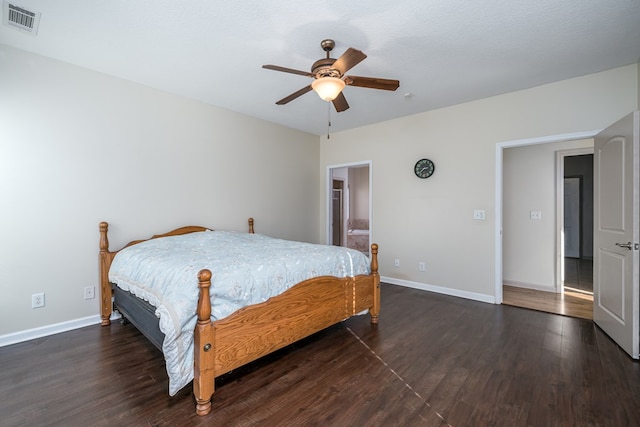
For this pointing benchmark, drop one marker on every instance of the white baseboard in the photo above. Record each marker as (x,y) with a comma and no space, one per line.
(529,286)
(43,331)
(440,290)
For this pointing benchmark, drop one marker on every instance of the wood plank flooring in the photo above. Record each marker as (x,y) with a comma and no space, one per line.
(433,360)
(571,303)
(577,300)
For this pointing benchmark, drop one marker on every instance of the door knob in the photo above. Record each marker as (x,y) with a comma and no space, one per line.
(628,245)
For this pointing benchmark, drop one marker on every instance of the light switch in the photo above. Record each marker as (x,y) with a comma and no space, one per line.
(536,214)
(478,214)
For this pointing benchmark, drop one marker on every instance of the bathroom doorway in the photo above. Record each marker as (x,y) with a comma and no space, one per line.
(349,206)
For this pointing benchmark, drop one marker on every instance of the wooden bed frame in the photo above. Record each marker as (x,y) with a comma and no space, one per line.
(257,330)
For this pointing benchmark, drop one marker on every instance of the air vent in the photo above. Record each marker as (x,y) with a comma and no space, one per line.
(18,17)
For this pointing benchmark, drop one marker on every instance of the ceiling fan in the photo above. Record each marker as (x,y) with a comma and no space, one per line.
(329,77)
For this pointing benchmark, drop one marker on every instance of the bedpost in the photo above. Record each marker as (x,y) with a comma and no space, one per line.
(105,286)
(204,350)
(375,310)
(251,226)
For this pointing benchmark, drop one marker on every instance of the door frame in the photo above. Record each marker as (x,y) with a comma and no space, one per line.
(329,194)
(500,146)
(560,156)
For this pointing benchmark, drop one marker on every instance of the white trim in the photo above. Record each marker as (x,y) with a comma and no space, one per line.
(439,289)
(43,331)
(560,155)
(371,227)
(499,196)
(498,225)
(523,285)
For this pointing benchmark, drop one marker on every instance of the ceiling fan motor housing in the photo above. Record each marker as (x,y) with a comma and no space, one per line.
(323,68)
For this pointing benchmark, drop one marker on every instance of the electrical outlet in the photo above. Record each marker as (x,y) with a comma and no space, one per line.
(535,214)
(37,300)
(89,292)
(396,263)
(422,266)
(478,214)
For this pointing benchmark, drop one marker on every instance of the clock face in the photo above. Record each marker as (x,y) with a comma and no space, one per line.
(424,168)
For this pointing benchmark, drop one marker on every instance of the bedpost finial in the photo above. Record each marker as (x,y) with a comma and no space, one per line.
(374,258)
(204,298)
(104,240)
(251,225)
(204,275)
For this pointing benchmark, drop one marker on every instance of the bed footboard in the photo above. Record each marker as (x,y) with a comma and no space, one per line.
(260,329)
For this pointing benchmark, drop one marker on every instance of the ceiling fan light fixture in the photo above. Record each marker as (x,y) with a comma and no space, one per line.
(328,88)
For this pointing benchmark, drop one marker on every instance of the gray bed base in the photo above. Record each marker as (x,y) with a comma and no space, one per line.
(140,313)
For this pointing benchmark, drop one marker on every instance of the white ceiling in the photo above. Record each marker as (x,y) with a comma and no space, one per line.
(443,52)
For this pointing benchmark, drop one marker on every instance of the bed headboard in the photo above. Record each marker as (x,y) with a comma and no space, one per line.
(106,257)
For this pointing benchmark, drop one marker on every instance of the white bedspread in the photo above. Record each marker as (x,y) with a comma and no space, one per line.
(246,269)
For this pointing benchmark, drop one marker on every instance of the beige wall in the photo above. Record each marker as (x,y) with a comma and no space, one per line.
(432,220)
(78,147)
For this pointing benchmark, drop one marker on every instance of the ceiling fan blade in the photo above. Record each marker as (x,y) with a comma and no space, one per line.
(340,102)
(294,95)
(288,70)
(348,60)
(372,82)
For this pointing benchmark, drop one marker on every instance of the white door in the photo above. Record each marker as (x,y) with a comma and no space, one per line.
(615,259)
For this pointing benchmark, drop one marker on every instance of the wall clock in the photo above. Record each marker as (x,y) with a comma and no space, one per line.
(424,168)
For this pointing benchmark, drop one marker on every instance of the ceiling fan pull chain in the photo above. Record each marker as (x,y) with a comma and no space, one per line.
(328,119)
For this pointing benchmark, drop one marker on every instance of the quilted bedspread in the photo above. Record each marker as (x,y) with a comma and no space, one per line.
(246,269)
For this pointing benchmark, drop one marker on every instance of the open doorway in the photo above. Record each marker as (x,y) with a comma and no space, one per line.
(349,206)
(542,239)
(615,305)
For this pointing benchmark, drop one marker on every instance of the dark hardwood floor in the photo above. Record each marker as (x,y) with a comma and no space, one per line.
(433,360)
